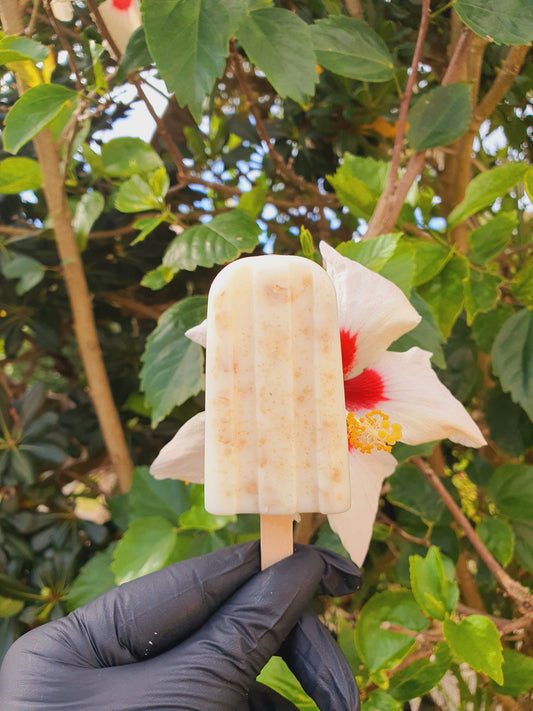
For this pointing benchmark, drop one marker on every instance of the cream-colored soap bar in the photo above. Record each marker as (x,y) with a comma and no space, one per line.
(275,413)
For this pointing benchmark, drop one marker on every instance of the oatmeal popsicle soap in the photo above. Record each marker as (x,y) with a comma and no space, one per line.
(275,412)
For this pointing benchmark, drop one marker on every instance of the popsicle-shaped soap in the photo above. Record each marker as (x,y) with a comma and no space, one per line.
(275,414)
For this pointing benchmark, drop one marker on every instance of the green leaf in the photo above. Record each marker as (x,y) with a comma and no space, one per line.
(35,109)
(189,43)
(485,188)
(146,225)
(18,174)
(157,278)
(380,648)
(15,49)
(172,369)
(523,548)
(10,607)
(379,700)
(400,268)
(88,210)
(521,285)
(511,488)
(222,240)
(439,117)
(410,489)
(517,674)
(135,57)
(277,675)
(487,241)
(510,428)
(125,156)
(198,517)
(168,498)
(95,578)
(358,183)
(350,48)
(511,23)
(486,325)
(135,195)
(279,43)
(420,677)
(444,294)
(27,270)
(481,291)
(436,595)
(254,200)
(425,335)
(372,253)
(498,537)
(512,358)
(145,547)
(430,259)
(477,642)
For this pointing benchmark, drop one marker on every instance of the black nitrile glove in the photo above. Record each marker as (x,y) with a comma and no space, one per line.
(190,637)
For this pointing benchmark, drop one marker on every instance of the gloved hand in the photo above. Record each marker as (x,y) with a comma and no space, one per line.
(192,636)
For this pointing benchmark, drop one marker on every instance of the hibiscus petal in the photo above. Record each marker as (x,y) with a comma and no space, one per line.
(354,527)
(198,334)
(121,17)
(183,457)
(373,312)
(414,397)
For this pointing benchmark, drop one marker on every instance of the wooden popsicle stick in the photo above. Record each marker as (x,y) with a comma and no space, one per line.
(276,538)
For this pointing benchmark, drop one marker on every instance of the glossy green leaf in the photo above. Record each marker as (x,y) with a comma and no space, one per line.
(512,357)
(279,43)
(253,201)
(517,674)
(400,268)
(485,188)
(511,488)
(278,676)
(425,335)
(35,109)
(521,285)
(27,270)
(145,547)
(146,225)
(166,498)
(18,174)
(189,42)
(430,259)
(523,549)
(510,23)
(94,579)
(135,57)
(172,369)
(379,700)
(481,291)
(15,49)
(371,253)
(439,117)
(136,195)
(222,240)
(420,677)
(487,241)
(88,210)
(444,294)
(157,278)
(498,537)
(358,182)
(198,517)
(350,48)
(410,489)
(123,157)
(379,648)
(510,428)
(476,641)
(486,326)
(436,595)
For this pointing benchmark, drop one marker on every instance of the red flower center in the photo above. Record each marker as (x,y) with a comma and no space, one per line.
(364,392)
(348,350)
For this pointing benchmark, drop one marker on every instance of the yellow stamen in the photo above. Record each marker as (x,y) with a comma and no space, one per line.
(372,431)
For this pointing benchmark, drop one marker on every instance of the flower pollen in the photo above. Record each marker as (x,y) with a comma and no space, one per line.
(372,431)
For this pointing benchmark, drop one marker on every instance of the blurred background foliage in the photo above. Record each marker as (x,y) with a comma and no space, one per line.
(275,129)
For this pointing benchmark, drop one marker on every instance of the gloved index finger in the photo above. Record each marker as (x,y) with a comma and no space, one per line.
(152,614)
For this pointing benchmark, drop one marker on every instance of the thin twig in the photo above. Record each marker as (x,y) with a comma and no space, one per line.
(33,19)
(518,592)
(58,29)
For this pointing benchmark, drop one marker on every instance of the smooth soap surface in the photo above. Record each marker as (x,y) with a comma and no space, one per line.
(275,413)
